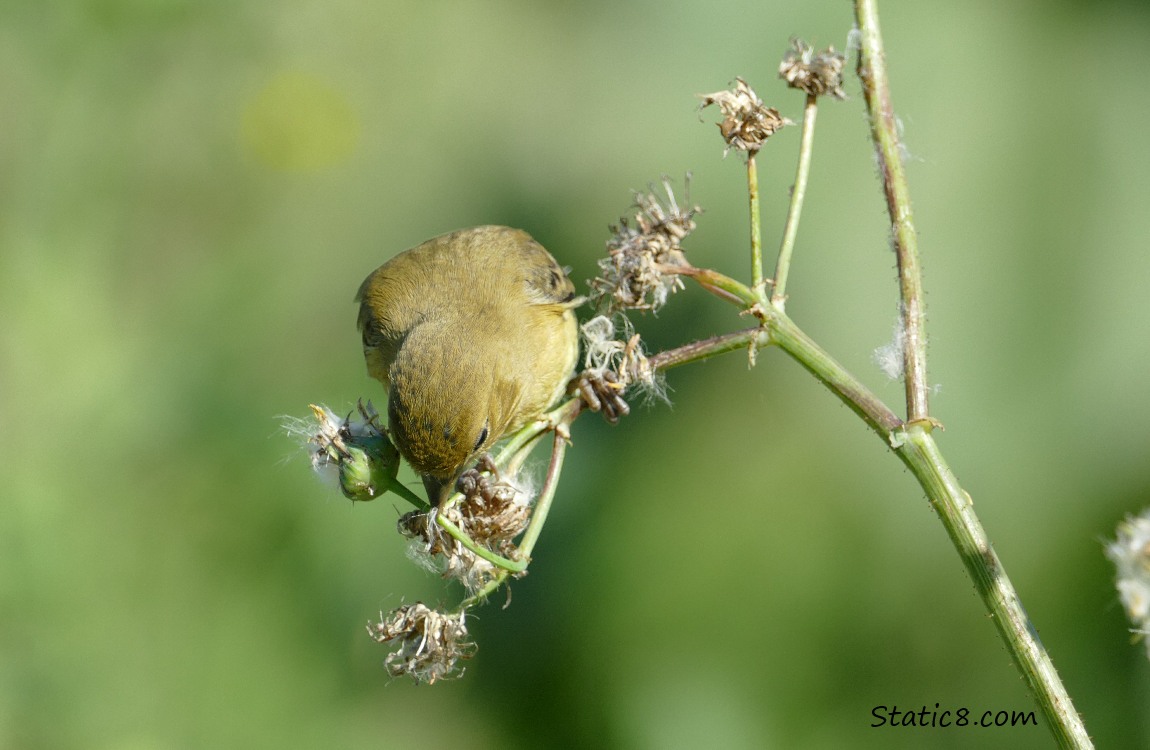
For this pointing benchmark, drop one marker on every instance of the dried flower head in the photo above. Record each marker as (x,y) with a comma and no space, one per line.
(1130,553)
(639,271)
(611,366)
(816,73)
(747,123)
(492,513)
(430,644)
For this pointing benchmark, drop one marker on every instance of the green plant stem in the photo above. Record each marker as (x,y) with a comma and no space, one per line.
(481,595)
(543,504)
(756,223)
(781,330)
(798,194)
(954,506)
(884,133)
(538,516)
(915,446)
(524,439)
(850,390)
(696,351)
(509,459)
(514,566)
(790,338)
(722,286)
(511,455)
(401,490)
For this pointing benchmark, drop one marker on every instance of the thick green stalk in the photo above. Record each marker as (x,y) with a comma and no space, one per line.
(917,449)
(915,446)
(791,339)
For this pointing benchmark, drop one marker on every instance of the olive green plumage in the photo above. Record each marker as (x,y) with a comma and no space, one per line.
(473,335)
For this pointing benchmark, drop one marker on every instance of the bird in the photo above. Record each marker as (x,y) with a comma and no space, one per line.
(473,335)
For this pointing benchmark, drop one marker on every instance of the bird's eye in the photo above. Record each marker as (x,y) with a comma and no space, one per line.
(482,438)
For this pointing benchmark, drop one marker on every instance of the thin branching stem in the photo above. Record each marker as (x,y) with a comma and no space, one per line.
(461,536)
(481,595)
(790,338)
(516,448)
(538,516)
(722,286)
(756,222)
(780,330)
(546,495)
(696,351)
(407,494)
(798,194)
(522,441)
(509,459)
(888,150)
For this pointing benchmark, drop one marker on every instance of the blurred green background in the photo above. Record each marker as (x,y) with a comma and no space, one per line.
(192,190)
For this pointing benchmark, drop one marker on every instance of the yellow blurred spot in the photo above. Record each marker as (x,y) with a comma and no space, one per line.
(300,123)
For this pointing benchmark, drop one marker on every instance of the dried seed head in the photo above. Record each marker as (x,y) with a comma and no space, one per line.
(492,513)
(747,123)
(601,350)
(816,73)
(611,366)
(600,384)
(639,271)
(430,644)
(1130,553)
